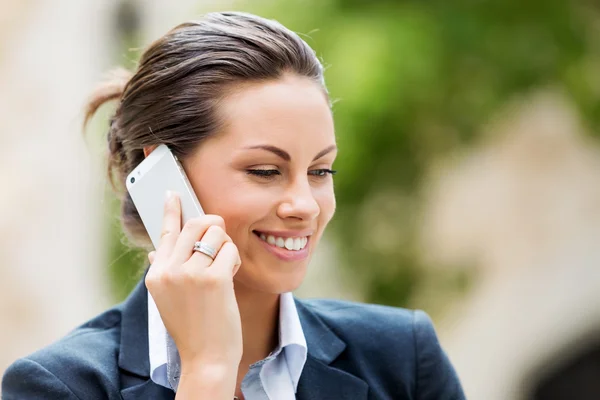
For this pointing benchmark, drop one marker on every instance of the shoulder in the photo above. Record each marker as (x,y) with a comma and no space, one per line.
(360,318)
(400,344)
(68,368)
(358,324)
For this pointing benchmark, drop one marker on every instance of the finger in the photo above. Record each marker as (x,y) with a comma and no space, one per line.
(151,257)
(193,231)
(227,261)
(171,226)
(215,237)
(236,267)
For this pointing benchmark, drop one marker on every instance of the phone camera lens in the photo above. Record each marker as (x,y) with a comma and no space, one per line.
(132,180)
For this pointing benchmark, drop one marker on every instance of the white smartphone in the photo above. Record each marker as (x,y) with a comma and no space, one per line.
(148,183)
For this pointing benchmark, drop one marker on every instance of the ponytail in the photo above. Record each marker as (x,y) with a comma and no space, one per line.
(111,89)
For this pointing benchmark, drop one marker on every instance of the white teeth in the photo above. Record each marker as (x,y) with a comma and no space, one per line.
(289,243)
(279,242)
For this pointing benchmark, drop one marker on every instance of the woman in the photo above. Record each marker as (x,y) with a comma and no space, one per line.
(242,102)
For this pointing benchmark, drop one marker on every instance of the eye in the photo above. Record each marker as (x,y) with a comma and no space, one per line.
(322,173)
(270,173)
(264,173)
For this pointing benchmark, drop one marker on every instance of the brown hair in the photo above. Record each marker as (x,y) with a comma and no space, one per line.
(173,95)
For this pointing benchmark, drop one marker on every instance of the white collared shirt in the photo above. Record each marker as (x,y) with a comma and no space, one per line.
(274,378)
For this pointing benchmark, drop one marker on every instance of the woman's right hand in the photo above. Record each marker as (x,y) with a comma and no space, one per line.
(194,294)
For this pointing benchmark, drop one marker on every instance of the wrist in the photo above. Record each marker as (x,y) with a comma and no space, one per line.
(209,371)
(206,381)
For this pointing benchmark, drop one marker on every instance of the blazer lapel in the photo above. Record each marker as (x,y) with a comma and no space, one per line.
(147,390)
(319,380)
(134,361)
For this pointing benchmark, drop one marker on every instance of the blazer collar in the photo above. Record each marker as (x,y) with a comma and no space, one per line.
(323,344)
(319,380)
(133,353)
(134,361)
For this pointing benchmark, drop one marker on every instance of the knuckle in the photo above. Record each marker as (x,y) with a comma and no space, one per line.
(170,212)
(150,280)
(166,232)
(215,230)
(195,224)
(205,222)
(217,220)
(229,247)
(166,277)
(155,280)
(225,238)
(189,276)
(211,281)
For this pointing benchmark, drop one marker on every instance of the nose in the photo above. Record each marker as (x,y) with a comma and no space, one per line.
(299,202)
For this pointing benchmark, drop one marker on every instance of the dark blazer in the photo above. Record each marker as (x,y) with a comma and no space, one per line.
(355,351)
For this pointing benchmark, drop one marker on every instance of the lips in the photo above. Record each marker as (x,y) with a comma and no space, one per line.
(289,243)
(283,253)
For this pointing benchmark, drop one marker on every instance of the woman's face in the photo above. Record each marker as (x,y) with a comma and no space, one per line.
(266,174)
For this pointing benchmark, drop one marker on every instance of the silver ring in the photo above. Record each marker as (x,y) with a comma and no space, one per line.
(205,248)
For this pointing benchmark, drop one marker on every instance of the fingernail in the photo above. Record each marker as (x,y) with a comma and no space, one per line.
(168,195)
(171,196)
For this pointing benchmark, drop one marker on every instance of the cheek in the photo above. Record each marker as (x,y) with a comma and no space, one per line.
(228,196)
(327,204)
(227,193)
(241,210)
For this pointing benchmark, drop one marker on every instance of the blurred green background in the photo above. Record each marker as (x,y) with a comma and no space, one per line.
(414,82)
(467,180)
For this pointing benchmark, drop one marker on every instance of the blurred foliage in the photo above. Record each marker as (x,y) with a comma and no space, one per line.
(126,262)
(416,81)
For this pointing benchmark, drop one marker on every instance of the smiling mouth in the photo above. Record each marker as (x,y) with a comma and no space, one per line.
(286,243)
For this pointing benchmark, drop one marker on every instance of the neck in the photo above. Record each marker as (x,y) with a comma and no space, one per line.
(259,314)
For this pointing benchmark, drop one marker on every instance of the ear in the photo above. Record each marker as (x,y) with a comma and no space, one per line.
(149,149)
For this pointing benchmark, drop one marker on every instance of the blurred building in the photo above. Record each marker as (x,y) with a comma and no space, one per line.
(51,247)
(524,207)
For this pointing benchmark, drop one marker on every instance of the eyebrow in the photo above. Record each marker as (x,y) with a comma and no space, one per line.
(285,155)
